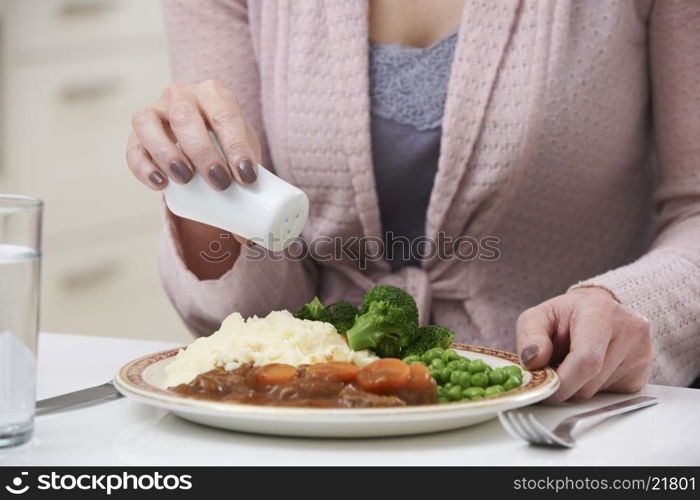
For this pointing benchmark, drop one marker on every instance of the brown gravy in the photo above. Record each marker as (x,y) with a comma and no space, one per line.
(302,388)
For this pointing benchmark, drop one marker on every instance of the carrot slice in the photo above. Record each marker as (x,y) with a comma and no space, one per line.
(335,371)
(384,376)
(275,374)
(420,380)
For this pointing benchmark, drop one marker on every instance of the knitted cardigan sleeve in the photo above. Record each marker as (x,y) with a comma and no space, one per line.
(664,284)
(210,39)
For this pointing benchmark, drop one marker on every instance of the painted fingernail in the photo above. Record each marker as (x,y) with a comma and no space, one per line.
(246,170)
(529,353)
(219,177)
(156,178)
(180,171)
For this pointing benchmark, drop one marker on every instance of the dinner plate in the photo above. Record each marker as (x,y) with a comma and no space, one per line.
(142,380)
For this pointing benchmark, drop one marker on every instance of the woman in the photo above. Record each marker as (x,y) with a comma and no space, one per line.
(564,132)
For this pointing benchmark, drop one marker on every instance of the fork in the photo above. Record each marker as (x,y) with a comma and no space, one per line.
(526,426)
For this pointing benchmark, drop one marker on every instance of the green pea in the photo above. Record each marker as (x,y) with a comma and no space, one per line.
(477,366)
(464,379)
(473,392)
(454,376)
(438,364)
(455,393)
(455,364)
(476,397)
(450,355)
(443,399)
(441,391)
(498,376)
(414,358)
(447,385)
(513,382)
(432,354)
(463,364)
(458,364)
(435,374)
(513,370)
(445,375)
(493,390)
(480,379)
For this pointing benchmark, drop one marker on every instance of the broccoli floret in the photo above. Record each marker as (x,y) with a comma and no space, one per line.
(428,337)
(387,323)
(342,315)
(314,311)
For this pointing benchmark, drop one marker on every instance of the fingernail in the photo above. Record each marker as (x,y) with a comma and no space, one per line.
(529,353)
(246,170)
(180,171)
(156,178)
(219,177)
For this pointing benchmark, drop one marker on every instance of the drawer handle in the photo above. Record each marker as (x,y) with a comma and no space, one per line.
(89,91)
(82,8)
(90,277)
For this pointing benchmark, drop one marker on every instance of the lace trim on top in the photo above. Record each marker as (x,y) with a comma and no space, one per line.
(409,84)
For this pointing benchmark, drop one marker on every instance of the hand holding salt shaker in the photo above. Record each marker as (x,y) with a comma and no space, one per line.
(269,212)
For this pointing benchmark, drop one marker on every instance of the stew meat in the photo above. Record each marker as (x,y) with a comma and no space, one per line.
(385,382)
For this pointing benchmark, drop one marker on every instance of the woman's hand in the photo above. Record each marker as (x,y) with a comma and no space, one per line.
(184,114)
(170,141)
(601,344)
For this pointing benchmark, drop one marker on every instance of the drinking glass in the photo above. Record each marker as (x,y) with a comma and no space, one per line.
(20,253)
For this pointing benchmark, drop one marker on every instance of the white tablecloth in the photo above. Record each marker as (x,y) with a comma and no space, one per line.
(125,433)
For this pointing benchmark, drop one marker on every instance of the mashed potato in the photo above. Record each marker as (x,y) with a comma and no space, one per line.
(277,338)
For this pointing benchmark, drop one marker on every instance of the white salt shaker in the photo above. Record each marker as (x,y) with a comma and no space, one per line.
(270,212)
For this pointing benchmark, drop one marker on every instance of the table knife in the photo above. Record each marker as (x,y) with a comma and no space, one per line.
(78,399)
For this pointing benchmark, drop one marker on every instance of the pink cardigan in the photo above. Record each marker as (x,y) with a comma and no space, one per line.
(570,133)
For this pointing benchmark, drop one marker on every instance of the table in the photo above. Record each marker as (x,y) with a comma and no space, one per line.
(122,432)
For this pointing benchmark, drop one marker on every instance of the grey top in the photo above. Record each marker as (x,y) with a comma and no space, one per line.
(408,87)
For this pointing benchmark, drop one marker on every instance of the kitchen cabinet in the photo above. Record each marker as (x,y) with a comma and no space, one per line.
(72,73)
(51,25)
(108,287)
(67,138)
